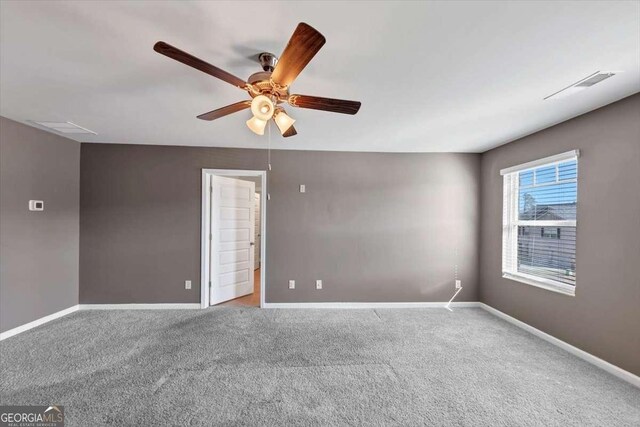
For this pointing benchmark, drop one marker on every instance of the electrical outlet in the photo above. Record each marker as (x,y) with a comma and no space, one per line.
(303,188)
(318,284)
(36,205)
(458,284)
(292,284)
(187,284)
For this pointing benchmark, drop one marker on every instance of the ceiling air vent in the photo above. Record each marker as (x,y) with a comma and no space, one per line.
(588,81)
(65,127)
(596,78)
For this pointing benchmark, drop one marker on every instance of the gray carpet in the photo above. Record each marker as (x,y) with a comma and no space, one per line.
(246,366)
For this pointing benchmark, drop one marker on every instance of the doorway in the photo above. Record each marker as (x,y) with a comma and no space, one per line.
(233,237)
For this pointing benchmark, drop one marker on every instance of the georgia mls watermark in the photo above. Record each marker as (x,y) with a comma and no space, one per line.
(31,416)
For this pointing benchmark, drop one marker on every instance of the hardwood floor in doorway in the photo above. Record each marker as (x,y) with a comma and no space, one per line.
(252,300)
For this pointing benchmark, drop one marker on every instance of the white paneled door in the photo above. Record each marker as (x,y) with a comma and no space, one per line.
(232,238)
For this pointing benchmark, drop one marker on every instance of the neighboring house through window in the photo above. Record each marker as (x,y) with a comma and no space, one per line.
(550,232)
(539,222)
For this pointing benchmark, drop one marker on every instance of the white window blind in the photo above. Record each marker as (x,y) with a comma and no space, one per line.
(539,222)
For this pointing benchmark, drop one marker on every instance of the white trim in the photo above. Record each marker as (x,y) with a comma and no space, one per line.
(573,154)
(547,284)
(205,269)
(602,364)
(38,322)
(204,240)
(358,305)
(159,306)
(509,226)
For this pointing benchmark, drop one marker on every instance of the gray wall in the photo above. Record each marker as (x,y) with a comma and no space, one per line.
(604,316)
(38,250)
(373,227)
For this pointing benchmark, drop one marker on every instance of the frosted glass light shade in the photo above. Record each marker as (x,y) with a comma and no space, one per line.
(283,121)
(262,107)
(256,125)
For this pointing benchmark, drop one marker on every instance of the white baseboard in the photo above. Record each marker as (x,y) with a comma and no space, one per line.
(45,319)
(38,322)
(602,364)
(349,305)
(160,306)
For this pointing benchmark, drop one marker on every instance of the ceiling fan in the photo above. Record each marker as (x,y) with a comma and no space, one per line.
(270,88)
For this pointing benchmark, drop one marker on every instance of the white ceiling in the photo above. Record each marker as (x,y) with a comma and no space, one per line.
(436,76)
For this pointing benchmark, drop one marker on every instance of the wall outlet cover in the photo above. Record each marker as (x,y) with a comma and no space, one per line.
(303,188)
(458,284)
(318,284)
(187,284)
(292,284)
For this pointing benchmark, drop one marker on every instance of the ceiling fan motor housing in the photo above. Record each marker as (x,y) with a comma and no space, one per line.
(262,85)
(261,81)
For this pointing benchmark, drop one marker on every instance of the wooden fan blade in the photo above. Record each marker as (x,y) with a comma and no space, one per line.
(199,64)
(229,109)
(325,104)
(302,47)
(290,132)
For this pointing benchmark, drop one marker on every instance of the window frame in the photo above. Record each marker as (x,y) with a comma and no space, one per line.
(511,222)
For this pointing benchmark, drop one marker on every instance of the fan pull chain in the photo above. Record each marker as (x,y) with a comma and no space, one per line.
(269,144)
(269,152)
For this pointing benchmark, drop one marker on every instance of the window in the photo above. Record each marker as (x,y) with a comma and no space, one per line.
(539,222)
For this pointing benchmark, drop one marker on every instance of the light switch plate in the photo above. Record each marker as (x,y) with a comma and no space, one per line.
(318,284)
(303,189)
(292,284)
(187,284)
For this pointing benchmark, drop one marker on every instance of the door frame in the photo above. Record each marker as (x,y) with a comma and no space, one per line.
(205,231)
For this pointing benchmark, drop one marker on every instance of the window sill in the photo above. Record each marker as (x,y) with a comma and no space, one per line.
(540,284)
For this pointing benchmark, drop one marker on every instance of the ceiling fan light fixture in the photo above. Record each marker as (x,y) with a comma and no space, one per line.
(283,121)
(269,88)
(262,107)
(256,125)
